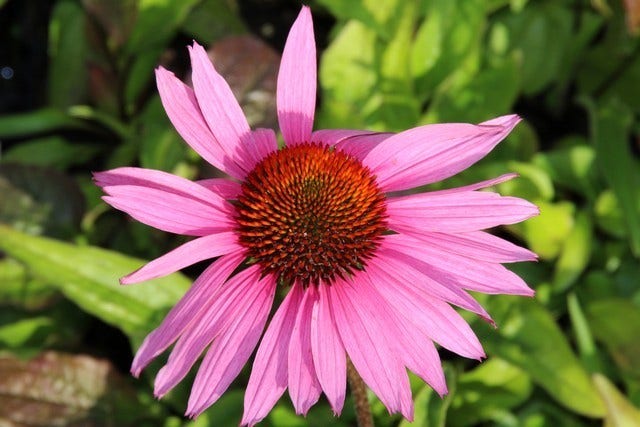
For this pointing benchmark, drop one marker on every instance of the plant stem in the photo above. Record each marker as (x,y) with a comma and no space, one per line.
(359,393)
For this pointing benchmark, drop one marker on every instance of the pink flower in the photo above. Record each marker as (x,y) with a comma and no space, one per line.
(368,274)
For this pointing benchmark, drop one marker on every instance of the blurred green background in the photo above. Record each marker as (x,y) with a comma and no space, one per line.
(77,95)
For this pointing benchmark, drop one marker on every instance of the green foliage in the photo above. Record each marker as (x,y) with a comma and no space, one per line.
(570,68)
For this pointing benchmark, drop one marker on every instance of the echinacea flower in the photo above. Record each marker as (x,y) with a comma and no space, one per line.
(370,275)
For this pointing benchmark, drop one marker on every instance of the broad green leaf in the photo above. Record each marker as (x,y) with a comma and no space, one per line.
(161,147)
(575,254)
(609,216)
(573,168)
(620,412)
(453,29)
(39,200)
(51,151)
(610,133)
(347,77)
(616,323)
(19,290)
(540,34)
(89,277)
(37,121)
(18,333)
(210,20)
(430,409)
(67,51)
(547,233)
(380,16)
(488,94)
(529,338)
(532,182)
(487,391)
(60,389)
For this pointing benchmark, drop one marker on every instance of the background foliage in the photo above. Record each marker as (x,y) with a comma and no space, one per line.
(77,94)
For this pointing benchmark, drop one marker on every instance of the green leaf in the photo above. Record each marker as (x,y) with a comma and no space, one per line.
(18,333)
(575,254)
(67,50)
(609,215)
(51,151)
(39,200)
(487,391)
(37,121)
(610,133)
(571,167)
(616,323)
(431,410)
(546,234)
(620,412)
(89,277)
(540,35)
(381,17)
(347,77)
(161,147)
(530,339)
(213,19)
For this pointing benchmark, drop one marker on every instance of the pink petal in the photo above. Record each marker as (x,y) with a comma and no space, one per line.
(460,271)
(196,250)
(456,212)
(214,319)
(188,309)
(296,94)
(158,180)
(375,358)
(184,112)
(418,352)
(264,143)
(432,316)
(231,350)
(477,185)
(361,146)
(169,212)
(413,271)
(304,387)
(223,187)
(476,245)
(329,357)
(220,108)
(432,153)
(269,374)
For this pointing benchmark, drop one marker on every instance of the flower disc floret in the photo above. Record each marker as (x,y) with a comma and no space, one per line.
(310,213)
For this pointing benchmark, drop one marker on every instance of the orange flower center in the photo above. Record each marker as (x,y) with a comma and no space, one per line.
(310,213)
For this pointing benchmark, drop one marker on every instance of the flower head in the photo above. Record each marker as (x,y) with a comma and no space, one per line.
(369,275)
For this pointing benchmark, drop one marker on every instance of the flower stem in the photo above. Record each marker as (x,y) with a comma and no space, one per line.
(359,393)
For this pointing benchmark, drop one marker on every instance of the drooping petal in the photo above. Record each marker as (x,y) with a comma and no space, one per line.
(375,359)
(418,352)
(296,93)
(220,108)
(168,211)
(456,212)
(437,319)
(159,180)
(237,292)
(183,110)
(189,309)
(231,350)
(304,387)
(477,245)
(225,188)
(414,272)
(477,185)
(457,270)
(196,250)
(329,356)
(432,153)
(269,374)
